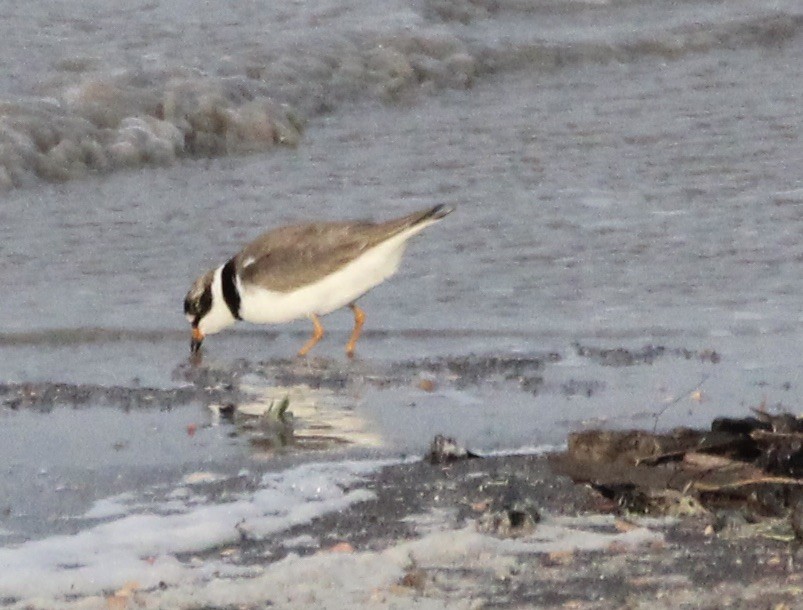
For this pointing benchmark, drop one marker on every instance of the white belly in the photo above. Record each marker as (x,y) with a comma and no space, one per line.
(263,306)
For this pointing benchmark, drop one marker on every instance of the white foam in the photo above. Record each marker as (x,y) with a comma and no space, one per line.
(109,507)
(525,450)
(369,579)
(143,547)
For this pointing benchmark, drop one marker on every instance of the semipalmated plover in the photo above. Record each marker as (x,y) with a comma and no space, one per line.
(299,271)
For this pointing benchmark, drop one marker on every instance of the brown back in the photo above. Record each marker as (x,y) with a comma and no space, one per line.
(289,257)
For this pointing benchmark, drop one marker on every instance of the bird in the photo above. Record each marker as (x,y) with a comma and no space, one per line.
(303,271)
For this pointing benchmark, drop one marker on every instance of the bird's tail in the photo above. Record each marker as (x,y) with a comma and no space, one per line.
(436,213)
(413,223)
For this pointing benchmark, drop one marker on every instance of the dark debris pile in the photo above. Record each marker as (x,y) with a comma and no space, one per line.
(44,396)
(646,355)
(753,465)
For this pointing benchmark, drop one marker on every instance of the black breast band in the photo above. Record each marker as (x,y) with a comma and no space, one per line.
(230,294)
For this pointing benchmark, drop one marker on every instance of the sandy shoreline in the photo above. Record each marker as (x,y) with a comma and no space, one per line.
(423,541)
(406,535)
(575,557)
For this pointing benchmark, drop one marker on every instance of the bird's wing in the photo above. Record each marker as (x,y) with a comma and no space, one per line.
(289,257)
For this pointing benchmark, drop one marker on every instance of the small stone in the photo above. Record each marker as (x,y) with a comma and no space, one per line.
(445,450)
(480,507)
(559,558)
(617,547)
(341,547)
(414,579)
(623,525)
(428,385)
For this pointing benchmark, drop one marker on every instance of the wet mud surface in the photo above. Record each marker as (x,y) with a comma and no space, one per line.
(219,419)
(684,567)
(647,355)
(208,385)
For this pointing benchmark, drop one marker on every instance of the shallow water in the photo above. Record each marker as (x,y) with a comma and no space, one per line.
(616,187)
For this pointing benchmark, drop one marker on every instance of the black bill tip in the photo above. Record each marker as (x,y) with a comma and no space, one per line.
(195,345)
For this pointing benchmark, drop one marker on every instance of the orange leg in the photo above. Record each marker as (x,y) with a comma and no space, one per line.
(359,319)
(316,336)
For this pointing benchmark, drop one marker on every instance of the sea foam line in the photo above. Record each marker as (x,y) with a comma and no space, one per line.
(142,548)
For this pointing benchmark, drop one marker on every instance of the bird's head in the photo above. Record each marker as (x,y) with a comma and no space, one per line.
(197,304)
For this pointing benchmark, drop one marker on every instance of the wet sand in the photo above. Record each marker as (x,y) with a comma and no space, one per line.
(429,538)
(671,564)
(209,428)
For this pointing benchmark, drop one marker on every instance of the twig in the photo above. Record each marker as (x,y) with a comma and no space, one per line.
(672,403)
(766,435)
(705,487)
